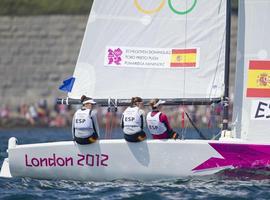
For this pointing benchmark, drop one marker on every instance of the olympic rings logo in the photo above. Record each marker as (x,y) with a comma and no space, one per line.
(161,5)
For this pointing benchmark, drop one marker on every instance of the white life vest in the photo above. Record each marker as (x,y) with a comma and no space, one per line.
(132,121)
(83,123)
(155,126)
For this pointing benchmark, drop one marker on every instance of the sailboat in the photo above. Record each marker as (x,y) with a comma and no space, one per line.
(177,51)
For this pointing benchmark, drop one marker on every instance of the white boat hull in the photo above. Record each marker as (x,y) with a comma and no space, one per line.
(118,159)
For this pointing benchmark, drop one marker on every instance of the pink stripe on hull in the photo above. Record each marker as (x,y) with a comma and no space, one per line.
(240,156)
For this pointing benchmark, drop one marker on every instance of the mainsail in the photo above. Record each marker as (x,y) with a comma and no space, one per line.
(149,48)
(252,93)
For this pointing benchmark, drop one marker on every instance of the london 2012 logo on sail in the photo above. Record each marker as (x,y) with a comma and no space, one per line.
(160,6)
(114,56)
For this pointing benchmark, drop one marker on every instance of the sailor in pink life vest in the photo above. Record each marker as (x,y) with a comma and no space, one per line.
(133,121)
(158,123)
(85,128)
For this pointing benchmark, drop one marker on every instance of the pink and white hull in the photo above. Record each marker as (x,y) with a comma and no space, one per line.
(118,159)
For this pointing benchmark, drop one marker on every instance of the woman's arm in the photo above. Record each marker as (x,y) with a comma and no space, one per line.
(170,131)
(122,121)
(73,127)
(163,118)
(95,121)
(143,121)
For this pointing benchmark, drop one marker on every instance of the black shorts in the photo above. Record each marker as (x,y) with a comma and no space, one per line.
(88,140)
(137,137)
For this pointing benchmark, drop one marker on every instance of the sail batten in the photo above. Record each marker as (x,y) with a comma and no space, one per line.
(175,52)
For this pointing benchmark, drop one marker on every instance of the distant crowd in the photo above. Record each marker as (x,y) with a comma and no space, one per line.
(39,114)
(59,115)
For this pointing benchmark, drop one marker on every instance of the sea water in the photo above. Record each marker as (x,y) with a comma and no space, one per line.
(224,185)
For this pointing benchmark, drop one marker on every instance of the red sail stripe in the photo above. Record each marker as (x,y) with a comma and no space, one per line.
(254,92)
(259,64)
(180,51)
(183,64)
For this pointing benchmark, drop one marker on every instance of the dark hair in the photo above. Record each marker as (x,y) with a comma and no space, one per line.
(84,98)
(134,100)
(153,102)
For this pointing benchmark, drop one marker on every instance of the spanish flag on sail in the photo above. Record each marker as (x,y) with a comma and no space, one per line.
(258,79)
(183,58)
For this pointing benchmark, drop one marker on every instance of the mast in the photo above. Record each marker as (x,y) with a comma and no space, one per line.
(227,66)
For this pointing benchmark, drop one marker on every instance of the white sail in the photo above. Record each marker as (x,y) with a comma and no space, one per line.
(152,48)
(252,93)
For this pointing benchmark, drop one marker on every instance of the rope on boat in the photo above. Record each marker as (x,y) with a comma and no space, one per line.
(195,127)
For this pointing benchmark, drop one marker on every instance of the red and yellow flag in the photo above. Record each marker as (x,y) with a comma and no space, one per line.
(258,79)
(183,58)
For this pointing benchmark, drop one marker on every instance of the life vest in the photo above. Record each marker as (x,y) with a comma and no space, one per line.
(83,123)
(155,126)
(132,122)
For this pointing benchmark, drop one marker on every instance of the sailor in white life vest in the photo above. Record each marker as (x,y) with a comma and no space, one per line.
(85,128)
(157,122)
(133,121)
